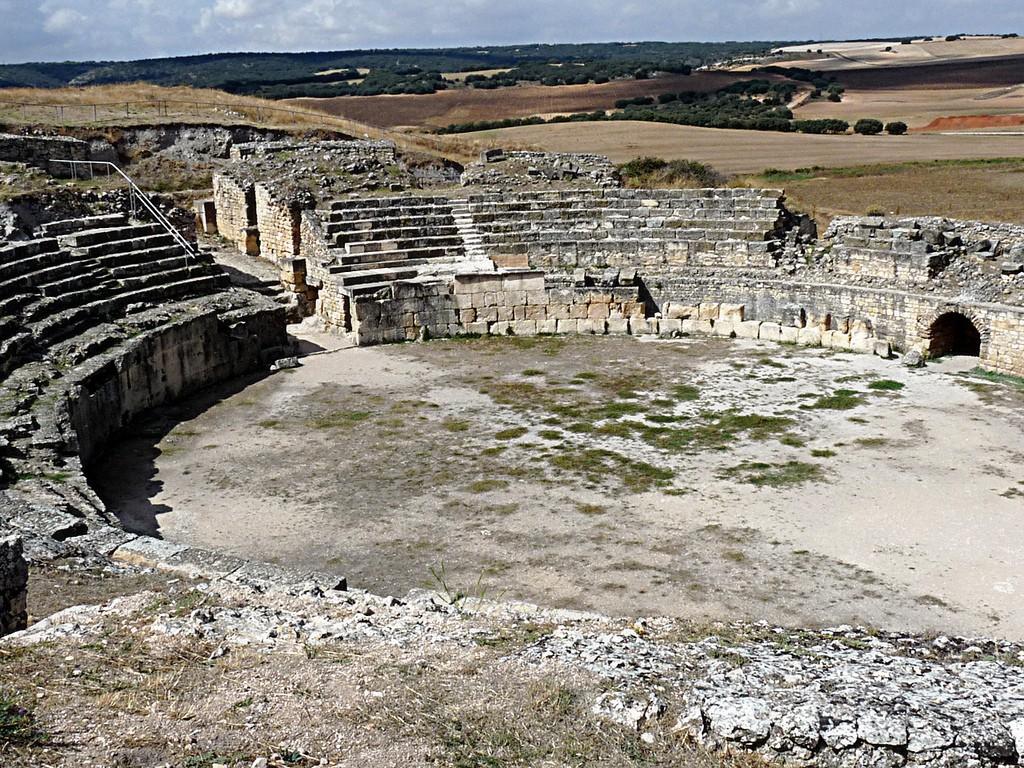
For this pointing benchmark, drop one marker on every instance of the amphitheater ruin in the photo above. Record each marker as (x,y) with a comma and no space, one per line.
(107,318)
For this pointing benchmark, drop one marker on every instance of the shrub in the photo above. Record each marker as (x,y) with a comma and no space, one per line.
(821,126)
(642,166)
(896,128)
(868,127)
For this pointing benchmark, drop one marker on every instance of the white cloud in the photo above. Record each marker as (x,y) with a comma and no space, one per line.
(103,29)
(63,21)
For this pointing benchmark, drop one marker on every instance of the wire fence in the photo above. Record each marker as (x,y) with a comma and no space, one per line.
(164,109)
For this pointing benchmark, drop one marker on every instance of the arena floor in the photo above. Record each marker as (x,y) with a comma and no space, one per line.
(700,478)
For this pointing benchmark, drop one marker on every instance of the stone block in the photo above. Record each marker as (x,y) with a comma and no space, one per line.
(598,311)
(703,327)
(789,334)
(477,329)
(675,311)
(883,349)
(524,327)
(840,341)
(708,311)
(467,316)
(731,312)
(549,326)
(537,297)
(618,326)
(644,326)
(809,337)
(862,343)
(500,328)
(538,312)
(568,326)
(749,329)
(725,328)
(597,327)
(770,332)
(669,328)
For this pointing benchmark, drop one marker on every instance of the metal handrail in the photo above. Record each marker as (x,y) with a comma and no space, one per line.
(136,194)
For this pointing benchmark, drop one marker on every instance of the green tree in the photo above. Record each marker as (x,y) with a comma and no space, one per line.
(896,128)
(868,127)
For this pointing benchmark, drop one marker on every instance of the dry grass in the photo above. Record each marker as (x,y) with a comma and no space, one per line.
(144,104)
(987,191)
(918,107)
(749,151)
(850,55)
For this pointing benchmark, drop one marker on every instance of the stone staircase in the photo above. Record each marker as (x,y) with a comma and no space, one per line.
(81,272)
(374,243)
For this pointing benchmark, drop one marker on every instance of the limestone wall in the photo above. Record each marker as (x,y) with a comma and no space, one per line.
(172,361)
(278,221)
(355,151)
(13,586)
(901,318)
(517,303)
(232,198)
(40,150)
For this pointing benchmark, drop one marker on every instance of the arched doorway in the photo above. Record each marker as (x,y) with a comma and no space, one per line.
(954,334)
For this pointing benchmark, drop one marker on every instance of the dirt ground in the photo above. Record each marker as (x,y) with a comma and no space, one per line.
(463,105)
(921,108)
(981,191)
(749,151)
(690,478)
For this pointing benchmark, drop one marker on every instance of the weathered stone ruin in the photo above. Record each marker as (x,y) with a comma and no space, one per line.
(103,318)
(724,262)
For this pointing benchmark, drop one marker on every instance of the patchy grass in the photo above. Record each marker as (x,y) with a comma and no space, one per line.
(823,453)
(840,400)
(598,466)
(590,509)
(338,420)
(886,385)
(872,442)
(512,433)
(685,393)
(18,725)
(455,425)
(486,485)
(763,474)
(999,378)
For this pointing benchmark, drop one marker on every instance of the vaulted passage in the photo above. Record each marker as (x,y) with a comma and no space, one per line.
(954,334)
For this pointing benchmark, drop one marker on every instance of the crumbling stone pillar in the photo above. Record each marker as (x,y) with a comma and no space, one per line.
(13,586)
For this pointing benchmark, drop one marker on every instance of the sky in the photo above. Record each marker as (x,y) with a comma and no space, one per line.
(58,30)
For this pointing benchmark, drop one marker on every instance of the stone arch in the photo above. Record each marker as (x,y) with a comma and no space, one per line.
(954,330)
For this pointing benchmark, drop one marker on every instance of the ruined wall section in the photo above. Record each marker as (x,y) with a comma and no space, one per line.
(39,151)
(232,197)
(518,303)
(279,220)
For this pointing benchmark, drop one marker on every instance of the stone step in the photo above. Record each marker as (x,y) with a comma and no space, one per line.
(149,266)
(339,269)
(384,246)
(386,202)
(91,237)
(394,233)
(67,226)
(373,276)
(431,219)
(38,280)
(130,258)
(141,243)
(12,252)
